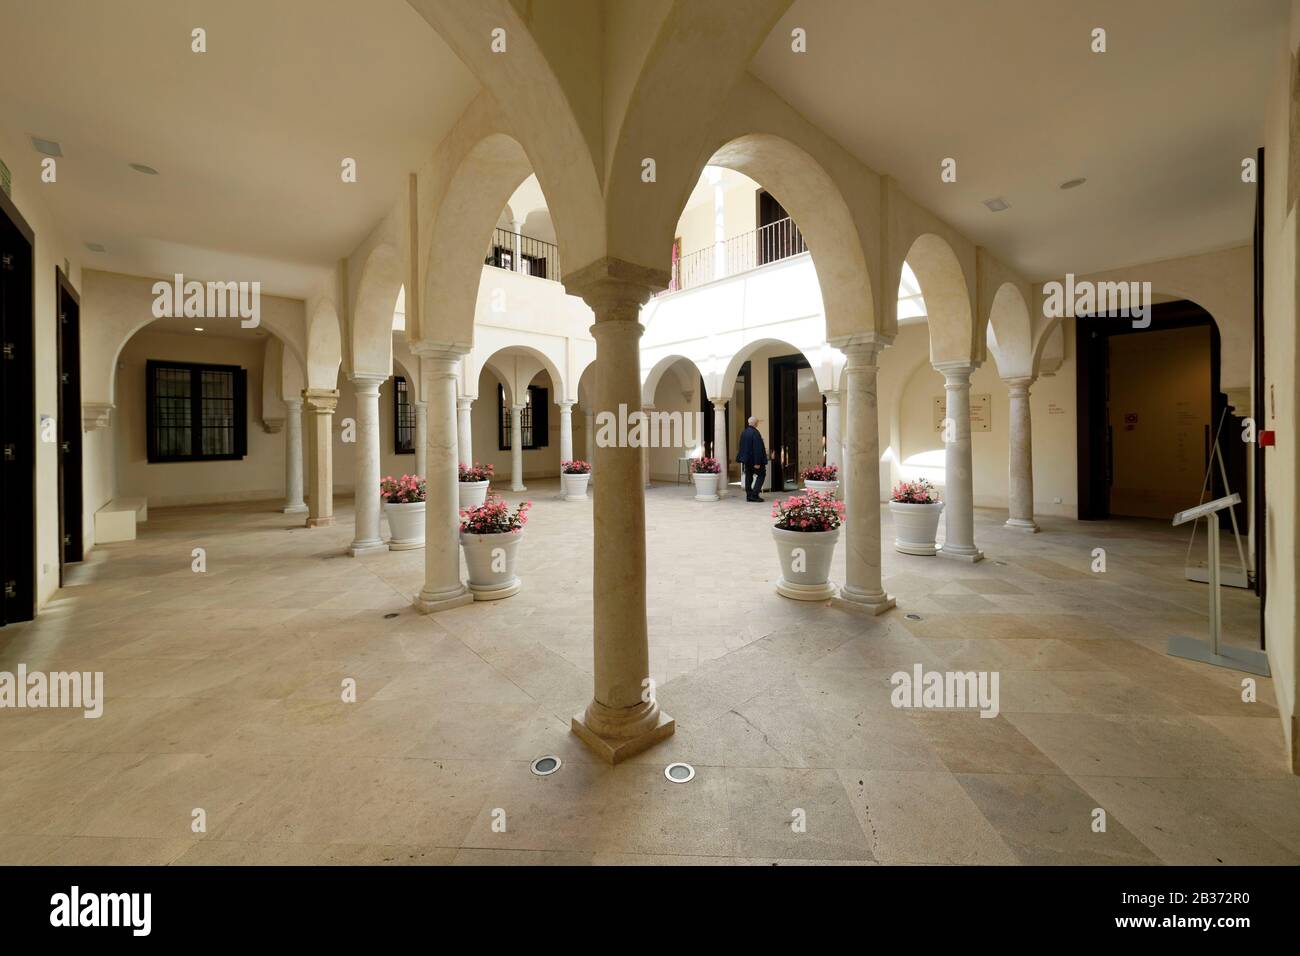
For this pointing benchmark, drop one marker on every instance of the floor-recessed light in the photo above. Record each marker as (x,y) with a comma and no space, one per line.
(142,168)
(391,614)
(95,246)
(198,328)
(679,772)
(545,766)
(1072,183)
(47,147)
(912,617)
(997,204)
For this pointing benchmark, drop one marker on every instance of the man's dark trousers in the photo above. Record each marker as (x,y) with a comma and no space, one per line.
(758,473)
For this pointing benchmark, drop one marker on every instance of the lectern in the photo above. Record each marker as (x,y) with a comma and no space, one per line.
(1211,652)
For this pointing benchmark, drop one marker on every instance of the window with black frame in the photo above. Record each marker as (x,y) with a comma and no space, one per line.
(403,418)
(195,412)
(533,419)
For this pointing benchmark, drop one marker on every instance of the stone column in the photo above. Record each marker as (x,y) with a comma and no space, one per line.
(834,443)
(590,422)
(566,431)
(647,411)
(320,404)
(366,539)
(959,487)
(293,503)
(421,435)
(720,442)
(517,448)
(623,717)
(862,576)
(464,432)
(443,587)
(1020,459)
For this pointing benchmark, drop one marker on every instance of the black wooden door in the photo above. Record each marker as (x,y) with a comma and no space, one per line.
(69,427)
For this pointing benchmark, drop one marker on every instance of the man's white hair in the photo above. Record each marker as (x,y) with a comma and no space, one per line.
(752,420)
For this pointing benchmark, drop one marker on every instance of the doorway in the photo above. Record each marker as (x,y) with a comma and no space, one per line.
(17,417)
(798,425)
(69,423)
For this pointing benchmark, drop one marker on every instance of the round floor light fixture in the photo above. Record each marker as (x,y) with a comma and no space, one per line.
(545,766)
(390,615)
(679,773)
(913,617)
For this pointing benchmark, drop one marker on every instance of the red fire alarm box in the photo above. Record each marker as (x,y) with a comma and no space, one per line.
(1267,439)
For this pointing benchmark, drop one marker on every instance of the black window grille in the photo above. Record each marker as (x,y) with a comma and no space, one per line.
(195,412)
(533,419)
(403,418)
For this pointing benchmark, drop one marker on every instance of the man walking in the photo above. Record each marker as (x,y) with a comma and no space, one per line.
(753,459)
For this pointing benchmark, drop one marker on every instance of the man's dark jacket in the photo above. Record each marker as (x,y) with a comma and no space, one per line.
(752,450)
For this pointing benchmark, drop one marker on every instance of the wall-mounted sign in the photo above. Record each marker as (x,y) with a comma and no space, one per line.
(1054,409)
(981,413)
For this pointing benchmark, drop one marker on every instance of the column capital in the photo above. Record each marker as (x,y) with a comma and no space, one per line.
(322,401)
(861,345)
(464,404)
(566,405)
(956,374)
(615,289)
(445,351)
(365,381)
(294,403)
(719,404)
(832,396)
(1019,383)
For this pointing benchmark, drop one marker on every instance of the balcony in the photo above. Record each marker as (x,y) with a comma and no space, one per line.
(525,255)
(743,253)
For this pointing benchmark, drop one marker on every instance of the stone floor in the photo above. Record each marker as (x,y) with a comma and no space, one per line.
(224,693)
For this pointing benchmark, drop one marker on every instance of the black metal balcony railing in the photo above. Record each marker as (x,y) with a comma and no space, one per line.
(771,243)
(524,254)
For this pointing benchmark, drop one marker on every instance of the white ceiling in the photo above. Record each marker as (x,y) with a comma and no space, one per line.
(1158,124)
(248,137)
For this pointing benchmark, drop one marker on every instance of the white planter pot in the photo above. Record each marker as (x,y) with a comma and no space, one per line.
(491,562)
(706,486)
(406,522)
(805,563)
(472,493)
(916,527)
(829,487)
(574,486)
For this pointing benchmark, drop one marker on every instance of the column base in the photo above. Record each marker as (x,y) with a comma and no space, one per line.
(519,488)
(614,750)
(962,554)
(295,510)
(431,602)
(371,546)
(322,522)
(877,602)
(1020,524)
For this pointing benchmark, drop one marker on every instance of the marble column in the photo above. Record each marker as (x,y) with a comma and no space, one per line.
(623,717)
(566,431)
(720,443)
(293,503)
(421,435)
(862,576)
(959,486)
(366,539)
(834,442)
(517,448)
(320,404)
(464,432)
(1020,459)
(443,587)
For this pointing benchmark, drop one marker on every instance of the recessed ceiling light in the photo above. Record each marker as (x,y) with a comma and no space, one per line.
(95,247)
(198,328)
(997,204)
(142,168)
(1071,183)
(46,146)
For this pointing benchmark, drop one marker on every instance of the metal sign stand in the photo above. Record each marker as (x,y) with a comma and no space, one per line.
(1211,651)
(1194,572)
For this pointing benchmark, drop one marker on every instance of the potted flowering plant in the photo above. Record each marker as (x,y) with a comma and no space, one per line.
(806,529)
(404,505)
(706,473)
(825,478)
(474,481)
(916,507)
(490,535)
(574,476)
